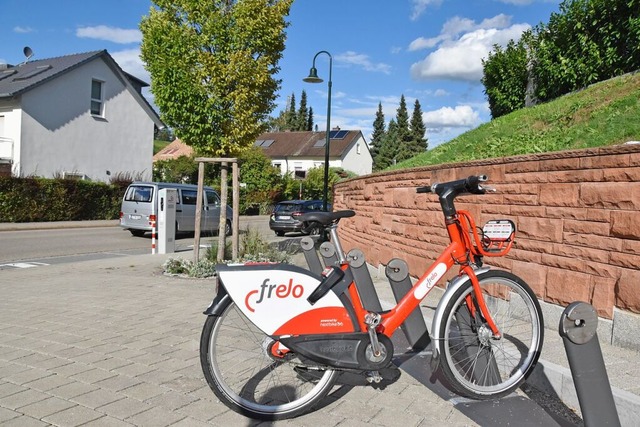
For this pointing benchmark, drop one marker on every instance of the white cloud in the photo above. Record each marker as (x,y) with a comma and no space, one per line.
(129,60)
(362,60)
(461,116)
(112,34)
(23,30)
(419,6)
(461,59)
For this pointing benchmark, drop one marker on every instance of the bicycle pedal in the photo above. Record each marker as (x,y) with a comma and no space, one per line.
(373,377)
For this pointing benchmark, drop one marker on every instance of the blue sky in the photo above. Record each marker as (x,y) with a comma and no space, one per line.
(429,50)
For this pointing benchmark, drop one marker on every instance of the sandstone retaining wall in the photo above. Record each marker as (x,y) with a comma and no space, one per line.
(576,213)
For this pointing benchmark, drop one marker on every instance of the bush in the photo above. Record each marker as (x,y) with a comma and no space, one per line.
(40,199)
(253,248)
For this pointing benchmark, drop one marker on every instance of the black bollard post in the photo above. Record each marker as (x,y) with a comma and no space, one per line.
(328,252)
(414,328)
(363,281)
(578,325)
(308,246)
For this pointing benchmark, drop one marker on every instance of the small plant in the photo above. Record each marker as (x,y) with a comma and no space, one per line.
(253,248)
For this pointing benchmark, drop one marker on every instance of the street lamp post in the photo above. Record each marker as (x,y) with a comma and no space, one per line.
(313,78)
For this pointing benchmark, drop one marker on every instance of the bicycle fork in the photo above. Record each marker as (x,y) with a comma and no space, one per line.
(473,304)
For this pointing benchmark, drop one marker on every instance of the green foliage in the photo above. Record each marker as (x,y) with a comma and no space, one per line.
(213,66)
(505,78)
(41,199)
(263,183)
(290,119)
(603,114)
(418,130)
(588,41)
(159,145)
(183,169)
(253,248)
(377,135)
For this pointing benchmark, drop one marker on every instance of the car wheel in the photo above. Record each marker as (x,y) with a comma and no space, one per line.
(228,229)
(314,229)
(279,233)
(137,233)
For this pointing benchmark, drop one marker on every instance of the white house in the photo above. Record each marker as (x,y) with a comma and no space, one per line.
(297,152)
(77,116)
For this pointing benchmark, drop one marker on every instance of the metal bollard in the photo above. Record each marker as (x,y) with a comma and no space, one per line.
(414,328)
(578,325)
(308,246)
(363,281)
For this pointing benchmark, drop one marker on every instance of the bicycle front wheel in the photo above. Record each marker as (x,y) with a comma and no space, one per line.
(476,364)
(242,370)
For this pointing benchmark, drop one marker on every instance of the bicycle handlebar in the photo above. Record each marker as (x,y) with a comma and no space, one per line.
(447,191)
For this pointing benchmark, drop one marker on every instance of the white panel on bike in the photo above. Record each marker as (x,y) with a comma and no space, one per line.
(499,229)
(275,300)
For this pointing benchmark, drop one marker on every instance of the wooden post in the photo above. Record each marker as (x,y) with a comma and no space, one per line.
(235,224)
(223,211)
(223,206)
(196,232)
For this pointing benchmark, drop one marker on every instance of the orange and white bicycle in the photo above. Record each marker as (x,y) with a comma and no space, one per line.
(277,336)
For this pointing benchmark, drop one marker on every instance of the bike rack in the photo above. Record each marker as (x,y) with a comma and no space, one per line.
(328,252)
(362,278)
(578,326)
(414,328)
(308,246)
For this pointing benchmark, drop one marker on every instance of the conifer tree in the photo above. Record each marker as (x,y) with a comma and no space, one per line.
(377,136)
(310,120)
(292,115)
(404,137)
(418,130)
(388,152)
(303,113)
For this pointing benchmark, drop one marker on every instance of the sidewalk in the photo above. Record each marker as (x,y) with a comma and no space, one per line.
(115,342)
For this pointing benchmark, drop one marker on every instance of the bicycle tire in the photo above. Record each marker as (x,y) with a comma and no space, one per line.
(477,365)
(236,361)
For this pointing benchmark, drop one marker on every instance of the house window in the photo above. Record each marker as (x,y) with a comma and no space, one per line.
(97,98)
(358,148)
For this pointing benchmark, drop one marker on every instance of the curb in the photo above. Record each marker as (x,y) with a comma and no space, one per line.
(20,226)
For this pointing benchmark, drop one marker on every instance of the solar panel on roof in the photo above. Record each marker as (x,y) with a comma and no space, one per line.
(338,134)
(267,143)
(34,72)
(7,73)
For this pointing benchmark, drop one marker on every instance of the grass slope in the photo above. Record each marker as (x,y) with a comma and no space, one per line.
(606,113)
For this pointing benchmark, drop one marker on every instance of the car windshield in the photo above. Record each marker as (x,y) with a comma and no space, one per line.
(284,208)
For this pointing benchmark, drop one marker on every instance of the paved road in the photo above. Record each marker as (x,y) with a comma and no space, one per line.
(33,245)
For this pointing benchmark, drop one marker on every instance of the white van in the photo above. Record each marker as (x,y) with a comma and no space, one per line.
(136,210)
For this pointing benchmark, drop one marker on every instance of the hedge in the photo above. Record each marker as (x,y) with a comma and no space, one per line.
(41,199)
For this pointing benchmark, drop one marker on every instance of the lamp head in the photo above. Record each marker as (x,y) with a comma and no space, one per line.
(313,76)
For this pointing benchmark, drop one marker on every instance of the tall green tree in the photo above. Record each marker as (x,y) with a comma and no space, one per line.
(303,113)
(377,136)
(418,130)
(389,148)
(405,148)
(213,67)
(310,120)
(292,114)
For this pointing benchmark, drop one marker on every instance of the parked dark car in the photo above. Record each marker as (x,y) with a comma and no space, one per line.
(286,217)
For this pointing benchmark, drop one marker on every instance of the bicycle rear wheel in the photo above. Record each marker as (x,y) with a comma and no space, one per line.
(242,371)
(477,365)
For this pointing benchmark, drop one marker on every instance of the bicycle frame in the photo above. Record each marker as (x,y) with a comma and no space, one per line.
(456,253)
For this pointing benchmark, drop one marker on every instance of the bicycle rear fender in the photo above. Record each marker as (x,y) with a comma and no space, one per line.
(453,286)
(274,298)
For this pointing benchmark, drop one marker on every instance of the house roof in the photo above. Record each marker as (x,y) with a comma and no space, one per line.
(307,144)
(18,79)
(174,150)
